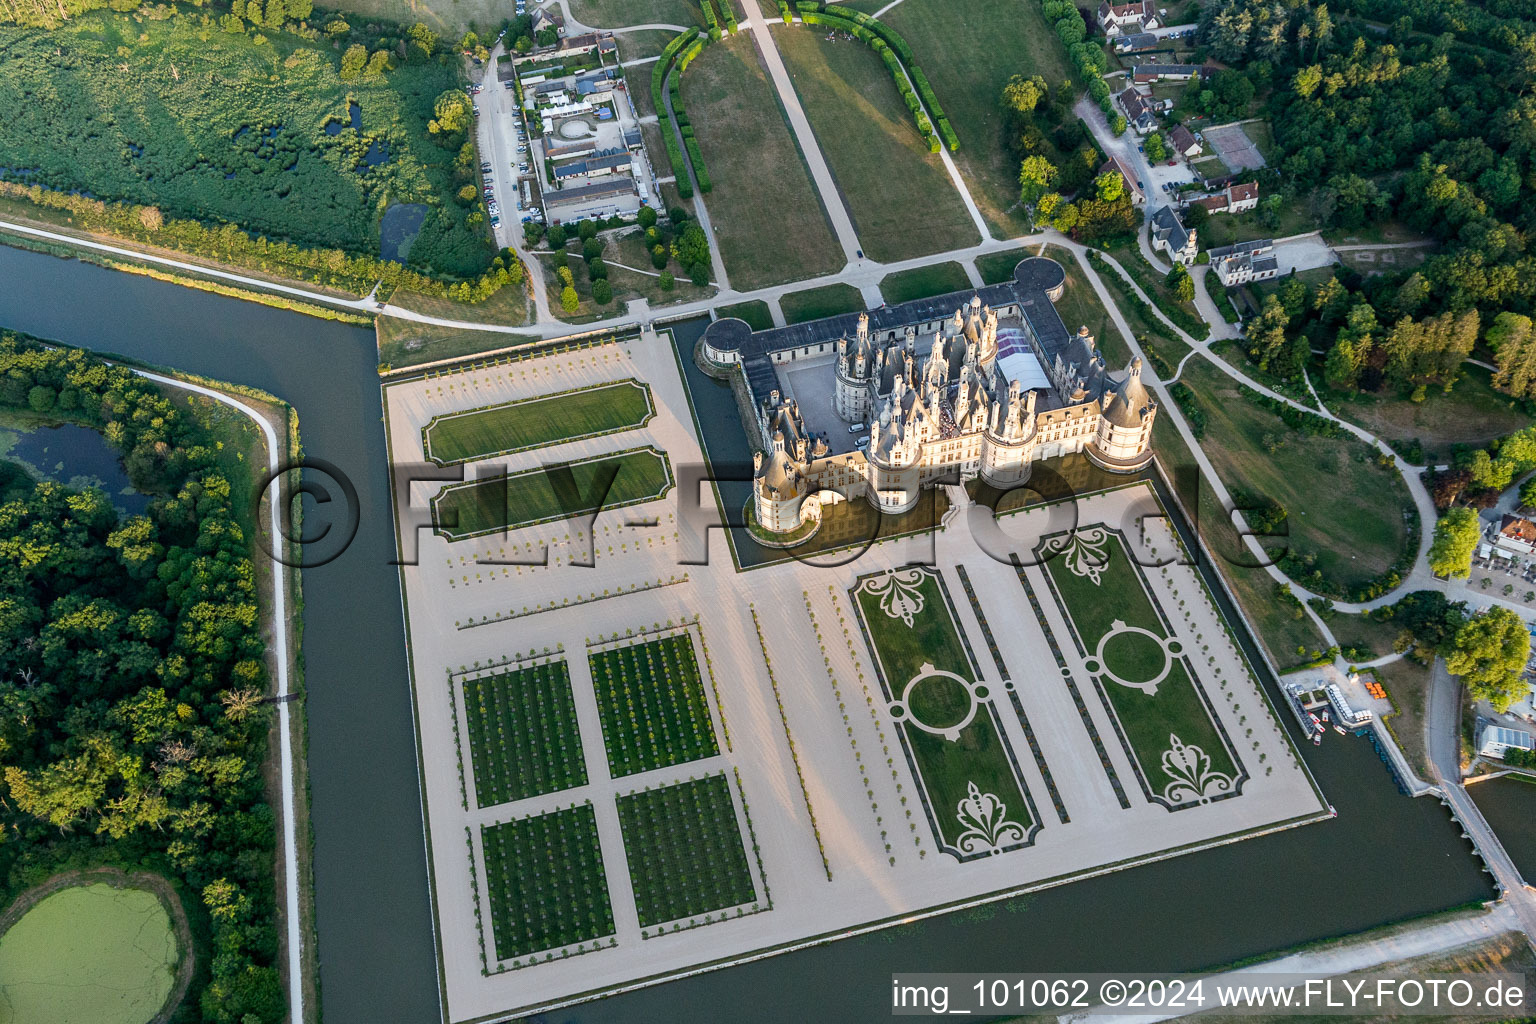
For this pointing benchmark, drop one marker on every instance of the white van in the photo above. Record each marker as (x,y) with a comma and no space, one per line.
(862,443)
(855,428)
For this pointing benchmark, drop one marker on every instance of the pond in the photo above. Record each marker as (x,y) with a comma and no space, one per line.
(74,455)
(1509,804)
(398,229)
(1387,857)
(88,953)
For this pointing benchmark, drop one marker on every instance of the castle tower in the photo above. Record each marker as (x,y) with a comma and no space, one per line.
(1124,438)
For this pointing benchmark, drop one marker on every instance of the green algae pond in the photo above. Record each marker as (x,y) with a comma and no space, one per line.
(89,954)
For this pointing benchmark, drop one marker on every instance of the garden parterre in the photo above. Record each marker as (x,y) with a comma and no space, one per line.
(815,742)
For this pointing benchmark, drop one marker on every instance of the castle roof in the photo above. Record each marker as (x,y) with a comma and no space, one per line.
(1130,404)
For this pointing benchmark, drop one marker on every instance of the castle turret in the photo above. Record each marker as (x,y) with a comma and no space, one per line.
(1124,438)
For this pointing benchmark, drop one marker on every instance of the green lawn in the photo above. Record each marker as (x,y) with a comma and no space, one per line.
(537,422)
(523,737)
(619,13)
(969,49)
(543,495)
(544,876)
(1279,631)
(651,700)
(1227,228)
(406,343)
(998,267)
(947,767)
(1147,720)
(815,303)
(902,200)
(1365,633)
(1079,306)
(922,282)
(1473,413)
(685,852)
(755,313)
(1151,332)
(1345,510)
(771,227)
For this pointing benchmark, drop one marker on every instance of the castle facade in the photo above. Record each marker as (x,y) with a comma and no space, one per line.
(918,400)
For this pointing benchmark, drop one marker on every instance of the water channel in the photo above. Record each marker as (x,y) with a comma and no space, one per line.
(1384,858)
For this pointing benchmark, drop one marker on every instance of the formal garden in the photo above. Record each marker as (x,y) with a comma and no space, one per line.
(944,710)
(548,493)
(651,702)
(523,738)
(518,426)
(1140,669)
(546,883)
(686,855)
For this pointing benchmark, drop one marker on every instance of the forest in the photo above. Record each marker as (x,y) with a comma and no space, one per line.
(251,117)
(131,674)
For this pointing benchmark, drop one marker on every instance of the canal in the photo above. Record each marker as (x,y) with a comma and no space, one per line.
(1386,857)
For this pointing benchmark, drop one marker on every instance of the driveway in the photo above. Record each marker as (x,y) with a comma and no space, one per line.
(498,146)
(1303,252)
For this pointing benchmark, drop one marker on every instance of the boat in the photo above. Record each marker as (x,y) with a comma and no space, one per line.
(1325,715)
(1317,739)
(1340,729)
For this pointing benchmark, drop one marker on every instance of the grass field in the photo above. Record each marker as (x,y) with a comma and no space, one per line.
(815,303)
(1227,228)
(998,267)
(642,44)
(947,767)
(651,700)
(523,737)
(1279,630)
(544,495)
(1345,510)
(537,422)
(88,953)
(1147,720)
(771,228)
(969,50)
(755,313)
(618,13)
(222,128)
(1153,334)
(1473,413)
(922,282)
(406,343)
(901,199)
(544,876)
(685,852)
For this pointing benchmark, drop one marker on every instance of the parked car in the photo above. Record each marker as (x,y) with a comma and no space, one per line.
(495,221)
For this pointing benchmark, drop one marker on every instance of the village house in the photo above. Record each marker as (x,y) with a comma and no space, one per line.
(1146,74)
(1171,236)
(1126,19)
(1511,537)
(1232,199)
(1183,142)
(1136,42)
(1138,111)
(1244,262)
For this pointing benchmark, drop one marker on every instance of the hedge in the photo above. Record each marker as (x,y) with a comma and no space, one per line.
(659,72)
(697,158)
(784,10)
(710,20)
(897,56)
(730,14)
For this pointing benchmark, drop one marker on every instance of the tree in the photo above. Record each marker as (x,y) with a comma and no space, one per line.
(1157,149)
(1022,95)
(1488,653)
(699,274)
(569,300)
(450,112)
(647,217)
(665,281)
(592,248)
(353,62)
(1456,536)
(1109,186)
(586,229)
(602,292)
(1528,493)
(1514,343)
(378,64)
(1266,332)
(1035,177)
(1181,284)
(691,247)
(557,236)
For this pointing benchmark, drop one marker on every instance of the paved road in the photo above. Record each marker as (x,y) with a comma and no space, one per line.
(1443,726)
(295,931)
(821,174)
(493,130)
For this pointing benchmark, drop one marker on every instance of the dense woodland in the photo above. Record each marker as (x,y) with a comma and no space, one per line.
(243,115)
(131,666)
